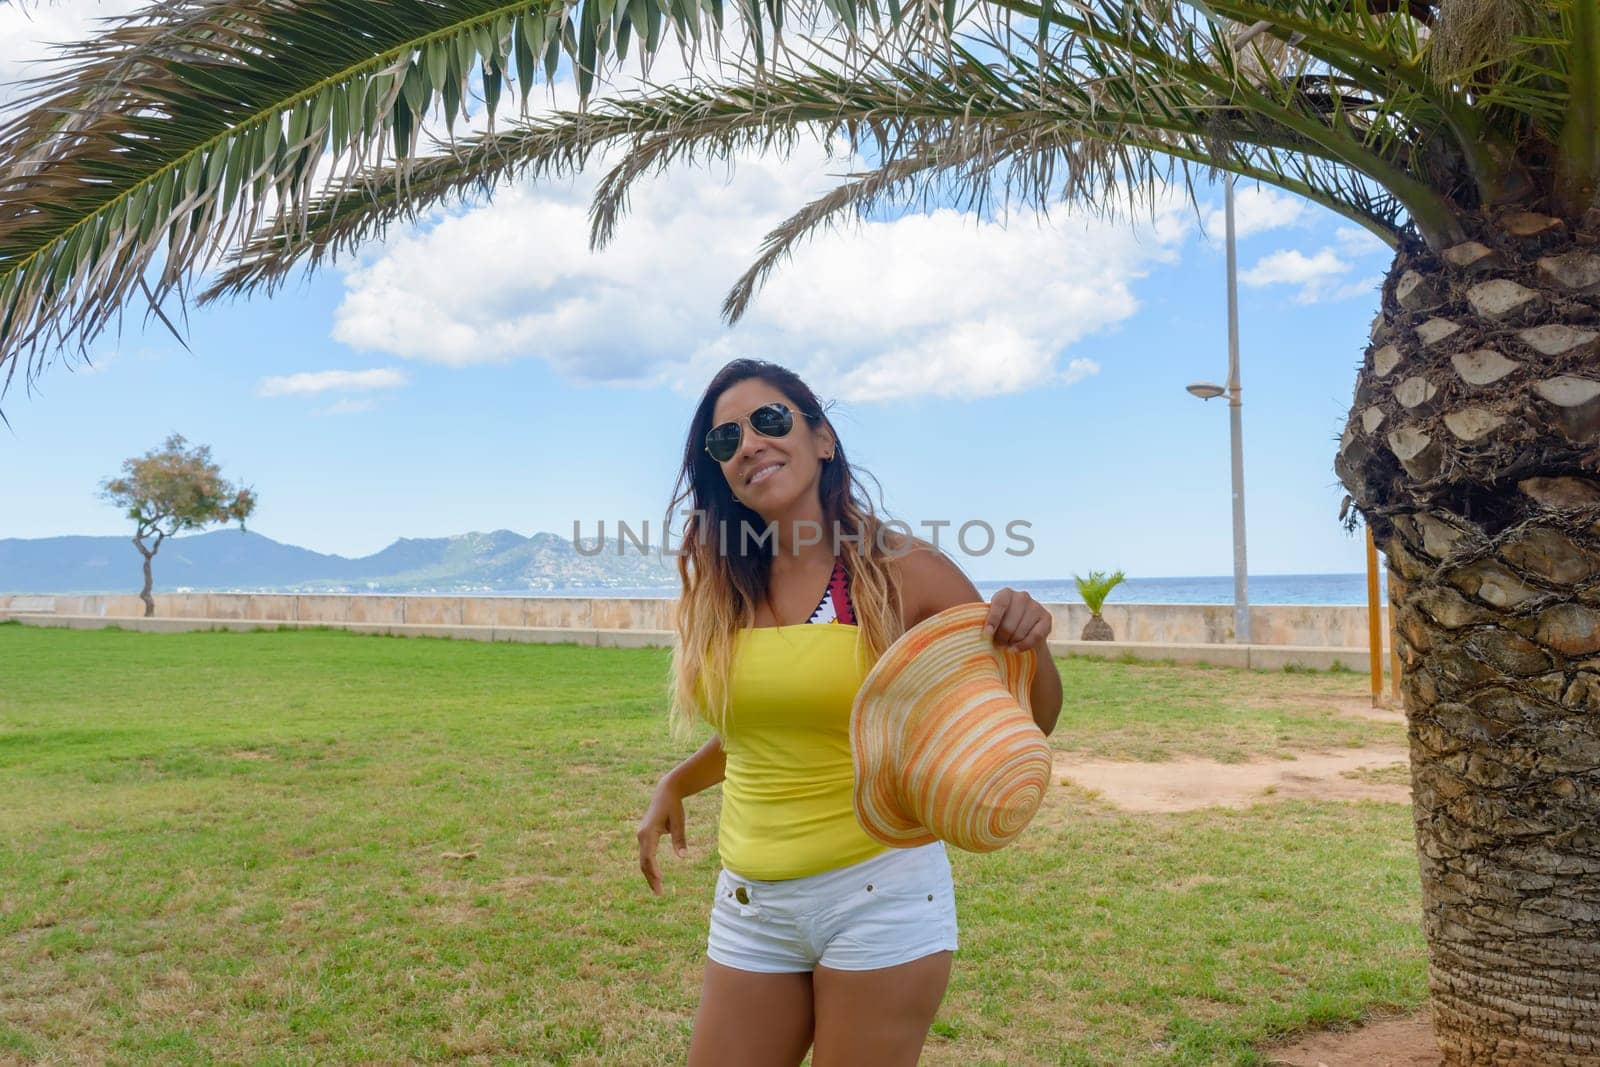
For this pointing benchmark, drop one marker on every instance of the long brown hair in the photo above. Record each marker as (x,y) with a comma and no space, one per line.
(721,589)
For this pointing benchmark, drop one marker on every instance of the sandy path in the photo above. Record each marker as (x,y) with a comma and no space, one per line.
(1385,1043)
(1189,783)
(1361,708)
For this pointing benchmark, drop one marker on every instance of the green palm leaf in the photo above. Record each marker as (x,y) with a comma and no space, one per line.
(1340,105)
(183,128)
(173,138)
(1096,587)
(1047,132)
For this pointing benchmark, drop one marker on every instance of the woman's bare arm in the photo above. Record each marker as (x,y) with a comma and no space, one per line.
(706,768)
(665,814)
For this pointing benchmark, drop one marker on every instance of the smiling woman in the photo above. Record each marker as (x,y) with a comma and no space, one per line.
(792,588)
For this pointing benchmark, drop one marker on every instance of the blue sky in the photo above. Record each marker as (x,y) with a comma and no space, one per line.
(1121,468)
(493,373)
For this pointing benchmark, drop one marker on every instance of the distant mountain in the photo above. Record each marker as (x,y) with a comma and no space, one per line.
(235,560)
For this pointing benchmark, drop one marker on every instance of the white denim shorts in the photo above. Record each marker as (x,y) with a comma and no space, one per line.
(886,910)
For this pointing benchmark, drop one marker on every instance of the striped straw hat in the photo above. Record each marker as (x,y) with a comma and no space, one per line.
(943,738)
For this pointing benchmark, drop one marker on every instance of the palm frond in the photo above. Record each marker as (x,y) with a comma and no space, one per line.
(1577,168)
(356,209)
(1471,36)
(1105,90)
(176,132)
(170,139)
(967,130)
(959,169)
(1475,63)
(1203,54)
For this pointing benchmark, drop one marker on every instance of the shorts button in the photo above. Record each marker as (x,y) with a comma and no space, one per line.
(869,887)
(930,896)
(742,896)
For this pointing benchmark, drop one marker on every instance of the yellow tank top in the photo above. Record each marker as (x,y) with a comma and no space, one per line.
(787,794)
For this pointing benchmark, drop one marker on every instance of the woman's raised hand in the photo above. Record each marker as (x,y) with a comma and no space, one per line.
(664,816)
(1018,621)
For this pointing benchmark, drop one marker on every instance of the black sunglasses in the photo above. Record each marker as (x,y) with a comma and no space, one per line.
(768,420)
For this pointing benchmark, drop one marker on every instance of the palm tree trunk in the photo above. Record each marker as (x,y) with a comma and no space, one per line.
(1472,450)
(1502,712)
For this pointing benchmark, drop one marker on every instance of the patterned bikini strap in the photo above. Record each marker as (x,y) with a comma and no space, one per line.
(835,605)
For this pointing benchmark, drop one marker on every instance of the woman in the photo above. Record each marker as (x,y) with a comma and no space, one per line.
(819,935)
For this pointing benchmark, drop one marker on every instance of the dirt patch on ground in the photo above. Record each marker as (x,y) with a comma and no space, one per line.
(1190,783)
(1346,707)
(1404,1042)
(1361,708)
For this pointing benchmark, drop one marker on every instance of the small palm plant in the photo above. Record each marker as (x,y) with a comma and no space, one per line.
(1094,590)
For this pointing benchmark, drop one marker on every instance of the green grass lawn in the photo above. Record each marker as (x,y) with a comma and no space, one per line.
(1144,711)
(237,848)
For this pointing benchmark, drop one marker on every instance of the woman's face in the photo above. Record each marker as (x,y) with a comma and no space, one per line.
(769,474)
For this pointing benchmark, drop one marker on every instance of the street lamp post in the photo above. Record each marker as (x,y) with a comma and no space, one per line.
(1208,390)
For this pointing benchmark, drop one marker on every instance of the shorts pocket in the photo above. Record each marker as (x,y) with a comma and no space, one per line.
(917,875)
(907,912)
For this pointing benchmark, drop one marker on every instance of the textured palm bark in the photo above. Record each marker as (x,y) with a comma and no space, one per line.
(1473,452)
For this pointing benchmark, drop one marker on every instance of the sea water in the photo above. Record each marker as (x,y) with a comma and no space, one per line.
(1218,589)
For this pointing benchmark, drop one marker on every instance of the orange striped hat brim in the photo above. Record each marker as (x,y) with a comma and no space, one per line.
(943,738)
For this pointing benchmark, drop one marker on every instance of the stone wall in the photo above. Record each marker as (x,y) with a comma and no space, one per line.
(1335,626)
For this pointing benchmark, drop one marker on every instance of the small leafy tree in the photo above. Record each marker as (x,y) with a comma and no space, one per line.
(173,488)
(1094,590)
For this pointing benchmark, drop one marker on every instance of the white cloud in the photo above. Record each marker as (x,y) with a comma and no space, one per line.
(311,383)
(1079,369)
(28,32)
(1356,241)
(1290,267)
(1256,209)
(940,304)
(1368,287)
(1319,276)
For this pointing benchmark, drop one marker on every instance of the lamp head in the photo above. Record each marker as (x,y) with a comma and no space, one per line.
(1206,390)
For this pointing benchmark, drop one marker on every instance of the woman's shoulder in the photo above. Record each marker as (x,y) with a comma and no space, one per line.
(930,580)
